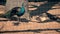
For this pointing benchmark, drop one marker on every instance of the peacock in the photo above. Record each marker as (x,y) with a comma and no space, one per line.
(18,11)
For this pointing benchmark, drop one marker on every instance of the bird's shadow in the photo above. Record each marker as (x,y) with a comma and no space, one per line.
(20,19)
(43,8)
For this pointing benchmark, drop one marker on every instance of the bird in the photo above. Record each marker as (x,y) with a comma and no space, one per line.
(9,14)
(53,17)
(19,12)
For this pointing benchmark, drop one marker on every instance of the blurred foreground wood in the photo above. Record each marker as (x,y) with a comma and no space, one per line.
(9,26)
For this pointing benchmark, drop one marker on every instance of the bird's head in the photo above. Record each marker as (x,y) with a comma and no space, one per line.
(23,4)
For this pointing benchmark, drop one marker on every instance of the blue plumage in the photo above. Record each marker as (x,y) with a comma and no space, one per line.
(21,11)
(11,13)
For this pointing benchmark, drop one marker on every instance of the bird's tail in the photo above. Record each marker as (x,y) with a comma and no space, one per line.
(2,16)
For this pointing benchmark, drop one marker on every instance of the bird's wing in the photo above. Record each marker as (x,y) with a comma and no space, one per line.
(8,14)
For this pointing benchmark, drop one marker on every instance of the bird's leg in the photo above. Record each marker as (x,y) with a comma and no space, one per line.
(17,22)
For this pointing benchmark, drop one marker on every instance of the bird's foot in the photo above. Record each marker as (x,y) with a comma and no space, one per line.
(16,23)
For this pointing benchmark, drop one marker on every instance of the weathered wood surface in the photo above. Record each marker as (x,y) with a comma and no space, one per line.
(9,26)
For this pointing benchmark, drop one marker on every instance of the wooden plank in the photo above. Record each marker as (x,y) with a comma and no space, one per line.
(9,25)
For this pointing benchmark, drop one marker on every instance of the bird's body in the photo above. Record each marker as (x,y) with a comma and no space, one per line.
(10,13)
